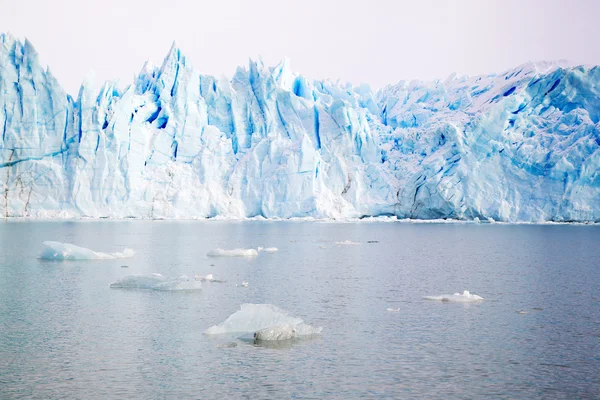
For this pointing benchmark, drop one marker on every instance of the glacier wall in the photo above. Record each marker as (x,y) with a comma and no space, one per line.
(520,146)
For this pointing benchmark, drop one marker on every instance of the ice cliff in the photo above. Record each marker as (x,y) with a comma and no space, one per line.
(519,146)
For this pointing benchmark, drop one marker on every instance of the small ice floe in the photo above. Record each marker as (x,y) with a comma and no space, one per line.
(393,310)
(66,251)
(207,278)
(522,312)
(322,246)
(346,243)
(232,253)
(244,284)
(264,322)
(465,297)
(156,282)
(269,250)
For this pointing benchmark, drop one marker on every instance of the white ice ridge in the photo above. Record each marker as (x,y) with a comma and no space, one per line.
(266,322)
(519,146)
(232,253)
(464,297)
(67,251)
(157,282)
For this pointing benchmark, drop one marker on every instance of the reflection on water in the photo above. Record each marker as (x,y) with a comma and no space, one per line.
(65,333)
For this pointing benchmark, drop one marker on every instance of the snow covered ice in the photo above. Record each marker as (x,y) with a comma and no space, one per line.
(157,282)
(265,322)
(464,297)
(522,145)
(232,253)
(66,251)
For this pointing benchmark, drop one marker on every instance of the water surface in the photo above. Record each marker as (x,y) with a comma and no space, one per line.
(65,333)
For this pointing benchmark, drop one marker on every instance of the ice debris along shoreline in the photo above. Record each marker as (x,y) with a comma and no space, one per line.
(232,253)
(157,281)
(59,251)
(519,146)
(464,297)
(265,322)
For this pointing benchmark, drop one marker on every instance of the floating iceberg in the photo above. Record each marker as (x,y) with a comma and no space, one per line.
(156,282)
(265,322)
(232,253)
(66,251)
(465,297)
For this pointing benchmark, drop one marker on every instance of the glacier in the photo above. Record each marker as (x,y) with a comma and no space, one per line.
(520,146)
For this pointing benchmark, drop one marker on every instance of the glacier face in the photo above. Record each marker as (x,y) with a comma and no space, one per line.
(520,146)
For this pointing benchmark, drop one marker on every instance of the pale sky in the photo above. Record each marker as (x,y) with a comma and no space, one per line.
(374,42)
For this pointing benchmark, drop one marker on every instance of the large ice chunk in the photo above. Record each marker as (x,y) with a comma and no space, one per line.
(266,322)
(67,251)
(233,253)
(464,297)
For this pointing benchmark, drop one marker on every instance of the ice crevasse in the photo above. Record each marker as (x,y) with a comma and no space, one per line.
(518,146)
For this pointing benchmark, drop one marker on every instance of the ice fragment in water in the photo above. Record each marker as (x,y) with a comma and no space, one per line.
(268,249)
(156,282)
(346,243)
(232,253)
(465,297)
(266,322)
(67,251)
(207,278)
(286,332)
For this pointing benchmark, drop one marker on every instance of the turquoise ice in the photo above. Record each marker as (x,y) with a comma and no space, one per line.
(518,146)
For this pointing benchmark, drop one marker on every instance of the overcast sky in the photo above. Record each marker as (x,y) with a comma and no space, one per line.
(359,41)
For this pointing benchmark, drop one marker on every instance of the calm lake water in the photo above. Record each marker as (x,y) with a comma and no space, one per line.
(64,333)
